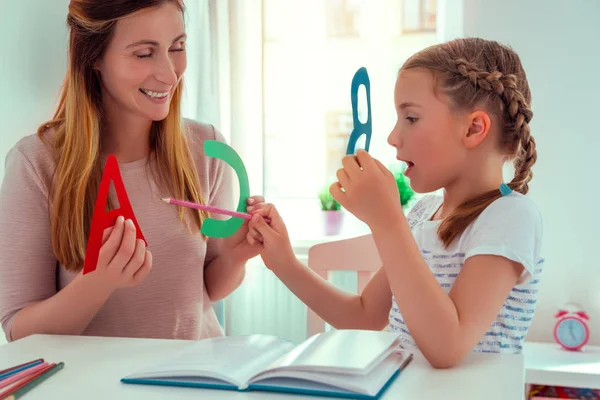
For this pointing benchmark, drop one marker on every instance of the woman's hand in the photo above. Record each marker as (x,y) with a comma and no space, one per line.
(123,260)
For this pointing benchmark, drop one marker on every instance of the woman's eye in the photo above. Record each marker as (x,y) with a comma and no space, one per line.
(412,120)
(146,54)
(180,47)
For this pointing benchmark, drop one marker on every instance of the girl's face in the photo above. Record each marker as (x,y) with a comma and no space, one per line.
(427,136)
(144,62)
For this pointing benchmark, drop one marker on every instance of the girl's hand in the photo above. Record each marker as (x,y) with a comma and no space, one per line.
(370,190)
(277,250)
(123,260)
(236,246)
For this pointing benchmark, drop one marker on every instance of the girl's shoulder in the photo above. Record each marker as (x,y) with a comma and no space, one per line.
(513,208)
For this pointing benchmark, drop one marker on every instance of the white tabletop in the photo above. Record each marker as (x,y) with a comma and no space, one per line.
(548,364)
(94,367)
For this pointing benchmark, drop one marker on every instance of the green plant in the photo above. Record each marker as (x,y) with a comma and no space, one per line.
(406,193)
(328,203)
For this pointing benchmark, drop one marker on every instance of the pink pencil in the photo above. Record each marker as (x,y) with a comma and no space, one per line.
(22,374)
(212,209)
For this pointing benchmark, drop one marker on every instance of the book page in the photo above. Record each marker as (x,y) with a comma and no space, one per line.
(340,351)
(369,384)
(232,359)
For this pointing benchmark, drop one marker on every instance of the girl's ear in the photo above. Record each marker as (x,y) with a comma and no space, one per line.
(478,127)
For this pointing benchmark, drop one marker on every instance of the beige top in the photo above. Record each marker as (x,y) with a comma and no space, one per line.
(170,303)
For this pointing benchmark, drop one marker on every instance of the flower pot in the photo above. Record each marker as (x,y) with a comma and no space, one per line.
(332,222)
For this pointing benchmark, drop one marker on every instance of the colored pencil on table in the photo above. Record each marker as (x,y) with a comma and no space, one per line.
(16,386)
(212,209)
(20,375)
(27,384)
(5,373)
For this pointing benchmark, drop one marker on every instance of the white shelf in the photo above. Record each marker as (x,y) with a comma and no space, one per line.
(548,364)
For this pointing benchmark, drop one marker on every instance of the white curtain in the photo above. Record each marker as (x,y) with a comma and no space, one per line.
(206,80)
(206,96)
(224,87)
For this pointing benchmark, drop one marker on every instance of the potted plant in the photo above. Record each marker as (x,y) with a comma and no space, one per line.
(404,189)
(332,212)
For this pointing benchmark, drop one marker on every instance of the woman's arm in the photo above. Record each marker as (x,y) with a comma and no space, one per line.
(29,302)
(68,312)
(123,261)
(222,276)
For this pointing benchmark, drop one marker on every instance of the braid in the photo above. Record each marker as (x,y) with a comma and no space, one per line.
(505,86)
(475,72)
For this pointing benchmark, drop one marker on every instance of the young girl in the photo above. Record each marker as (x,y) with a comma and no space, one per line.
(460,272)
(122,95)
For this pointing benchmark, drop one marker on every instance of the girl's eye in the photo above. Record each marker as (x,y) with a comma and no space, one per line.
(412,120)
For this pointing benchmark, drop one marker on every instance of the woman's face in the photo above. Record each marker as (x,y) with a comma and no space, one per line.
(144,62)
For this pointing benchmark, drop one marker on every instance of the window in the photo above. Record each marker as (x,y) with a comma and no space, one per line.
(311,50)
(418,16)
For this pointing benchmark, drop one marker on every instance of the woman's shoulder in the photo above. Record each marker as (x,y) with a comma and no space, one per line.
(32,158)
(198,132)
(36,145)
(37,150)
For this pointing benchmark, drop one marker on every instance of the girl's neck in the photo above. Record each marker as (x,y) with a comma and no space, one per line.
(468,187)
(126,136)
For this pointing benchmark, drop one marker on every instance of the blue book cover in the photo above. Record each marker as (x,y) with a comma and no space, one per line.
(351,364)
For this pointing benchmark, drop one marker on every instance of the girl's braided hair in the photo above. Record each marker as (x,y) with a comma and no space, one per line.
(474,72)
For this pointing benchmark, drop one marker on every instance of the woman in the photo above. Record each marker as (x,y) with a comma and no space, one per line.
(121,95)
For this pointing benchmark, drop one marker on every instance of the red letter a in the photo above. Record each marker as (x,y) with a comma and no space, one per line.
(102,219)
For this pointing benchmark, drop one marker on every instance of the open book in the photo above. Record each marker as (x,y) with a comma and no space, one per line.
(342,363)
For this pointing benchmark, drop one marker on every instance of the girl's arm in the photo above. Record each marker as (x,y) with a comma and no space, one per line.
(445,327)
(340,309)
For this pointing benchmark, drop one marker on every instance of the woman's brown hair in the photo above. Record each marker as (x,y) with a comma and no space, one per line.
(474,72)
(77,126)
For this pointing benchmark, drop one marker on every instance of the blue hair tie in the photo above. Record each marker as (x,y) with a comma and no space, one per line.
(505,190)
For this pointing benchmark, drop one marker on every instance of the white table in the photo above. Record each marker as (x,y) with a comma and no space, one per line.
(548,364)
(94,367)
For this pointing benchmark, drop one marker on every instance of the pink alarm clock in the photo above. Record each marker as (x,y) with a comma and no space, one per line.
(571,330)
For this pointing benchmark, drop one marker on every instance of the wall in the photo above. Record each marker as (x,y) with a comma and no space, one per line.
(33,64)
(557,42)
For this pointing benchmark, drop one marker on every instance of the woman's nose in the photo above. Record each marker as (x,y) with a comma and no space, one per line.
(165,72)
